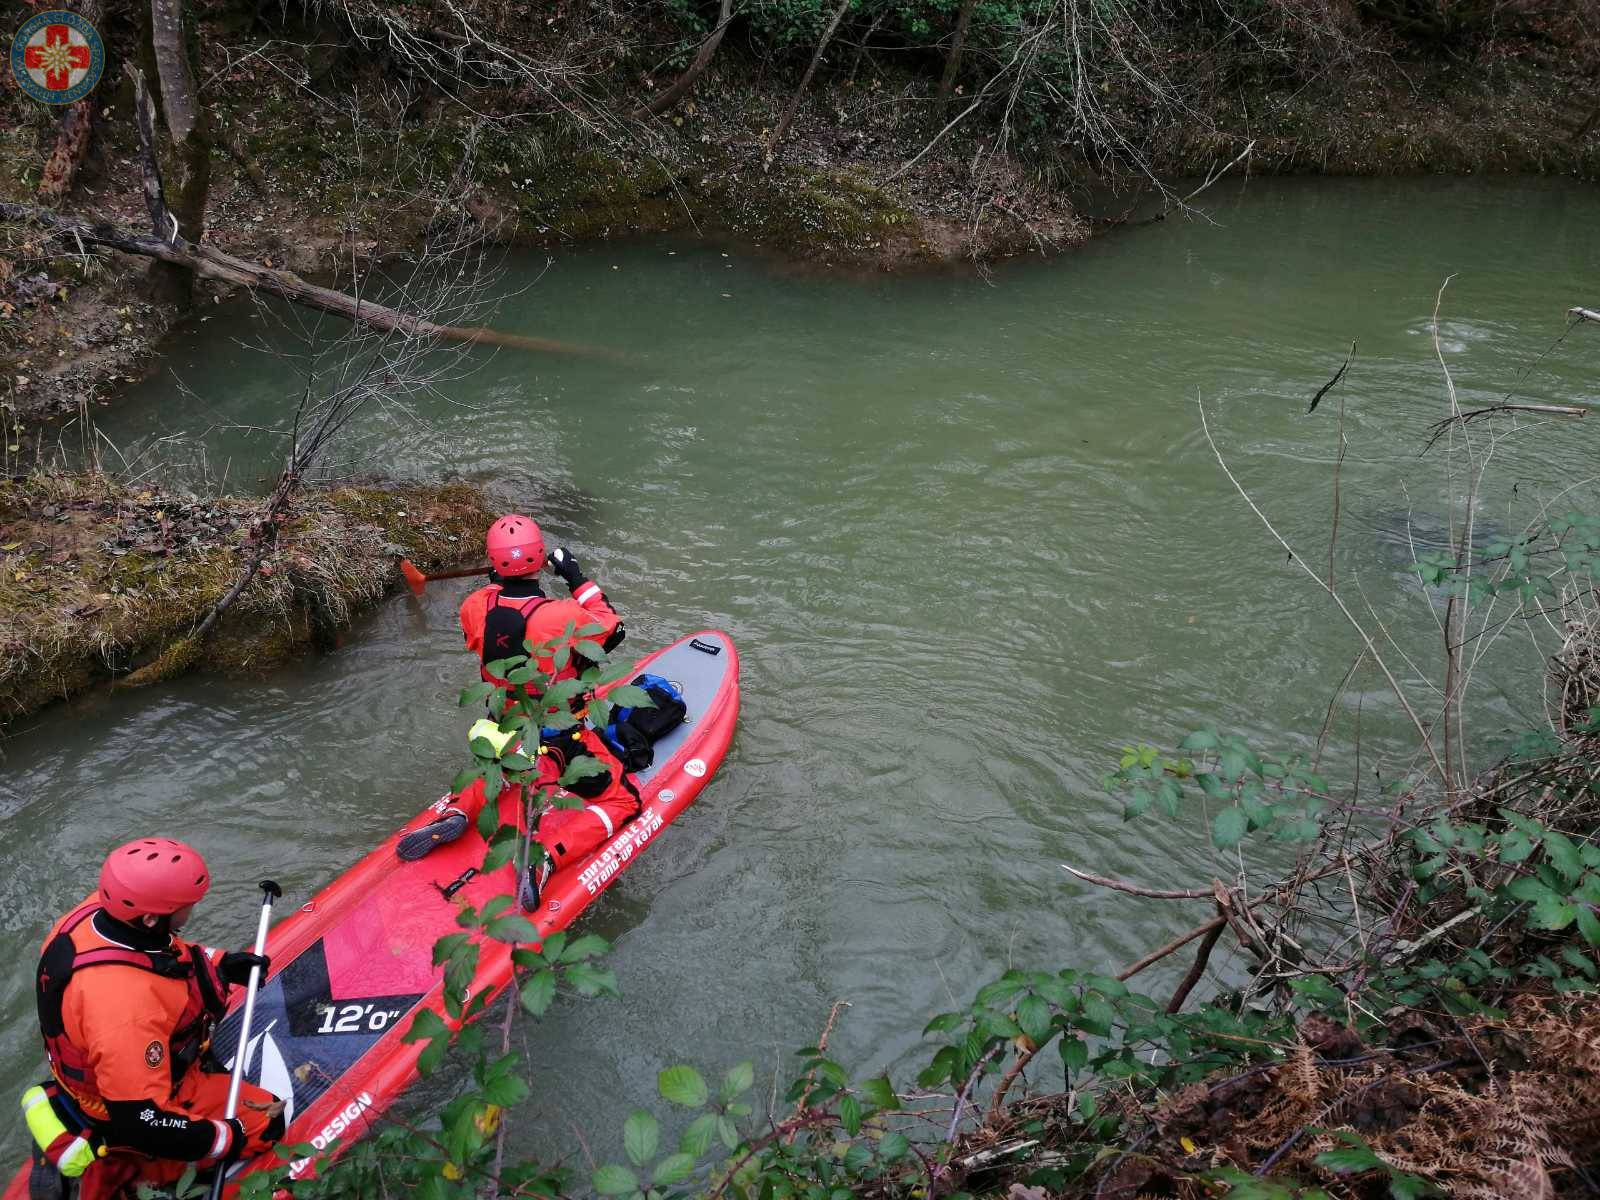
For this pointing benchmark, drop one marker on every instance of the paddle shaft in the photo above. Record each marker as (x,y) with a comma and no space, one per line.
(269,891)
(461,574)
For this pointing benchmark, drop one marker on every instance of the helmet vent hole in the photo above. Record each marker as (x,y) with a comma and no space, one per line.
(151,857)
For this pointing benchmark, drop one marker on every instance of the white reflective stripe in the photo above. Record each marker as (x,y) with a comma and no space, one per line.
(587,593)
(604,820)
(38,1098)
(221,1142)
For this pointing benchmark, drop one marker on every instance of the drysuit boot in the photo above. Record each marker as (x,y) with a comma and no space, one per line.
(418,842)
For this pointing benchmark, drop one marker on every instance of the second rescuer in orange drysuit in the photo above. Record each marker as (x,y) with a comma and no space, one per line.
(126,1009)
(563,835)
(497,619)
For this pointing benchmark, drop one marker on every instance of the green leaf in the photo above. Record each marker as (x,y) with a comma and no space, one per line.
(447,946)
(675,1168)
(728,1132)
(1097,1015)
(512,927)
(502,849)
(614,1179)
(740,1078)
(1564,855)
(850,1115)
(590,945)
(641,1134)
(880,1093)
(1200,739)
(1304,830)
(1033,1014)
(589,980)
(1074,1053)
(1552,913)
(1228,827)
(893,1147)
(1515,846)
(1355,1155)
(1405,1186)
(582,768)
(683,1085)
(538,991)
(505,1090)
(475,693)
(1588,924)
(696,1139)
(1167,794)
(432,1055)
(628,696)
(427,1024)
(1530,889)
(1139,802)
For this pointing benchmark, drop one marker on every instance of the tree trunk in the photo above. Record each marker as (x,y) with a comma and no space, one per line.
(952,64)
(659,103)
(191,139)
(805,81)
(76,130)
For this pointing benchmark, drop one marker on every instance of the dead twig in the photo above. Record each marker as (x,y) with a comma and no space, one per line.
(1441,427)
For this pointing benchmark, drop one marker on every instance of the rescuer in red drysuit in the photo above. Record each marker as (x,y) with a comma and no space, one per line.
(126,1009)
(498,618)
(561,835)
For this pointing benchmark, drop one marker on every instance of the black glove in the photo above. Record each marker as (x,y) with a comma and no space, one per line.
(564,565)
(234,966)
(236,1142)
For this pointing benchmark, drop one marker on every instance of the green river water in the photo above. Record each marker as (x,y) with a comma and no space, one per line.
(969,538)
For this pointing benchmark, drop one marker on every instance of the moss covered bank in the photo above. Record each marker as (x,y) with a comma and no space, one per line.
(102,585)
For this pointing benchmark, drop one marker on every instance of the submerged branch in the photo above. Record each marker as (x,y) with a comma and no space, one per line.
(1134,889)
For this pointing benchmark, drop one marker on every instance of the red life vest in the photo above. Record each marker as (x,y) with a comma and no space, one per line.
(505,629)
(77,946)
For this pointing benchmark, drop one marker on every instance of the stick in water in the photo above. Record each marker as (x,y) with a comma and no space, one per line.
(269,891)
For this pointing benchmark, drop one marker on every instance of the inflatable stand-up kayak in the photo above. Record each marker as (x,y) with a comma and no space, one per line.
(354,965)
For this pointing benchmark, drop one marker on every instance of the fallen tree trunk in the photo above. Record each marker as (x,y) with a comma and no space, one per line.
(210,263)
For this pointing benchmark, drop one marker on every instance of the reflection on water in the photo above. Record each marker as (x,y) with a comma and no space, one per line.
(969,539)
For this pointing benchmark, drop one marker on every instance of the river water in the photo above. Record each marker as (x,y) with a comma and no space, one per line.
(970,539)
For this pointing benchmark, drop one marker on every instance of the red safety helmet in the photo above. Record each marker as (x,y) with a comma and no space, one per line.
(152,877)
(515,545)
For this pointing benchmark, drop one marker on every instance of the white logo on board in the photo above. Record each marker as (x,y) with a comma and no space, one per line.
(668,795)
(695,767)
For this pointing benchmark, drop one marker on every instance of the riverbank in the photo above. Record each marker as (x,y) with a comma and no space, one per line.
(102,584)
(316,170)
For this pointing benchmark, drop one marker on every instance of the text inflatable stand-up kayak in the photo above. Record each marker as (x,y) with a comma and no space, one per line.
(353,966)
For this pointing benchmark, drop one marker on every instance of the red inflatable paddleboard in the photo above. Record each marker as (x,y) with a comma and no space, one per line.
(354,965)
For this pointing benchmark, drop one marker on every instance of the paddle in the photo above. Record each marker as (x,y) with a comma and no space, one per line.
(416,580)
(269,891)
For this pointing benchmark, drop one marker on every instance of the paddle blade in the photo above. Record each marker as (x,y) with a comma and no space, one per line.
(415,579)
